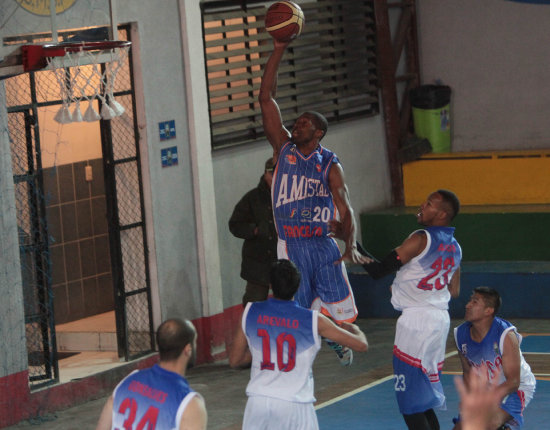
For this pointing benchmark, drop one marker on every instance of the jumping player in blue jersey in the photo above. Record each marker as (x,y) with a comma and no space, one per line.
(489,342)
(281,340)
(308,191)
(428,275)
(159,397)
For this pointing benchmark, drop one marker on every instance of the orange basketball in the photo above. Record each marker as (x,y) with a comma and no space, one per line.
(284,20)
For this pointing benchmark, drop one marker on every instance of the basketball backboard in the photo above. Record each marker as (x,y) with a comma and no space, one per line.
(31,23)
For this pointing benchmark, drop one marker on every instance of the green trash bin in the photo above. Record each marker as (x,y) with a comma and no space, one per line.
(432,116)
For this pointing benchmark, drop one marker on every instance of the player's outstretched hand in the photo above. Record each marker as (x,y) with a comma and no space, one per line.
(479,402)
(353,256)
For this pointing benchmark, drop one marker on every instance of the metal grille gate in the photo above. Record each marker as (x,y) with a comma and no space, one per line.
(126,221)
(33,245)
(125,210)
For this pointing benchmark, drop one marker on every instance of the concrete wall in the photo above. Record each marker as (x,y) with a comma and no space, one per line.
(13,357)
(495,56)
(172,224)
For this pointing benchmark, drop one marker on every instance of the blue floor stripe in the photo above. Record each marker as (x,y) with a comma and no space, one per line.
(535,344)
(376,409)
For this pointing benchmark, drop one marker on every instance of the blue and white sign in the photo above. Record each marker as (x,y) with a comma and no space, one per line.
(169,156)
(167,130)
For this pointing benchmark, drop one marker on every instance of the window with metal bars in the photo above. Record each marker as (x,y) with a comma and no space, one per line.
(330,68)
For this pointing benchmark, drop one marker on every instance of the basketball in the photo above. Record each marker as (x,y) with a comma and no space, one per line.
(284,21)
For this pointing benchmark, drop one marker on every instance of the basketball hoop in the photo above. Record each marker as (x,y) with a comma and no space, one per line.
(84,82)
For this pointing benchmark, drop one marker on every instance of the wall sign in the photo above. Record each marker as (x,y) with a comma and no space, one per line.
(169,156)
(167,130)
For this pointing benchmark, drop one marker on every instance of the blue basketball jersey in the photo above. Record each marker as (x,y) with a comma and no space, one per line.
(489,352)
(283,340)
(302,202)
(152,398)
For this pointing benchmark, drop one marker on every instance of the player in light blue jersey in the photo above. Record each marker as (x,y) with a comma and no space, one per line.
(308,191)
(159,397)
(488,342)
(428,275)
(281,340)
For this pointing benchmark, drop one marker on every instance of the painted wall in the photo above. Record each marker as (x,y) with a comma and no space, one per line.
(495,56)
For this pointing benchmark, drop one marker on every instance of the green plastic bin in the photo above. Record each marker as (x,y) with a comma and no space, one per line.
(432,115)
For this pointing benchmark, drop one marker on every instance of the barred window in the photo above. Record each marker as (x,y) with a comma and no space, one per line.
(330,68)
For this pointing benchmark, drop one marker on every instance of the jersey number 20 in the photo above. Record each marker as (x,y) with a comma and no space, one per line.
(282,339)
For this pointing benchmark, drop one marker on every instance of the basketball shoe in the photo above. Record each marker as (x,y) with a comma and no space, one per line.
(345,354)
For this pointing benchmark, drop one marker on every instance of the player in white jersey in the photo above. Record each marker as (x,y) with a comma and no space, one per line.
(489,341)
(159,397)
(428,274)
(281,340)
(308,185)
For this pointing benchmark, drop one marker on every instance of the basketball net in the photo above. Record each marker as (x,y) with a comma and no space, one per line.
(80,79)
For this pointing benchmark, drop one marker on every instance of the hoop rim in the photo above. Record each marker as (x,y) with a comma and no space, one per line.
(59,49)
(34,57)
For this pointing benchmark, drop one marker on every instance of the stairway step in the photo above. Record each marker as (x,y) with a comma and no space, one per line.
(86,341)
(95,333)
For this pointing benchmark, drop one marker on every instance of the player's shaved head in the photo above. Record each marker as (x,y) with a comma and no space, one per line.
(172,336)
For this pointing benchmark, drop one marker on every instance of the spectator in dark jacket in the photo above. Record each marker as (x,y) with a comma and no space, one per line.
(252,220)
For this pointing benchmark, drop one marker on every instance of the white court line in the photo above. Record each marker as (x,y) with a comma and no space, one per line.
(364,387)
(450,354)
(351,393)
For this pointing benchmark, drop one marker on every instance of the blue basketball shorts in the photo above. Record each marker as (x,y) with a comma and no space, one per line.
(324,285)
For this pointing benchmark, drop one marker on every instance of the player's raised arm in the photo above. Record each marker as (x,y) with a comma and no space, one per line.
(274,129)
(347,334)
(411,247)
